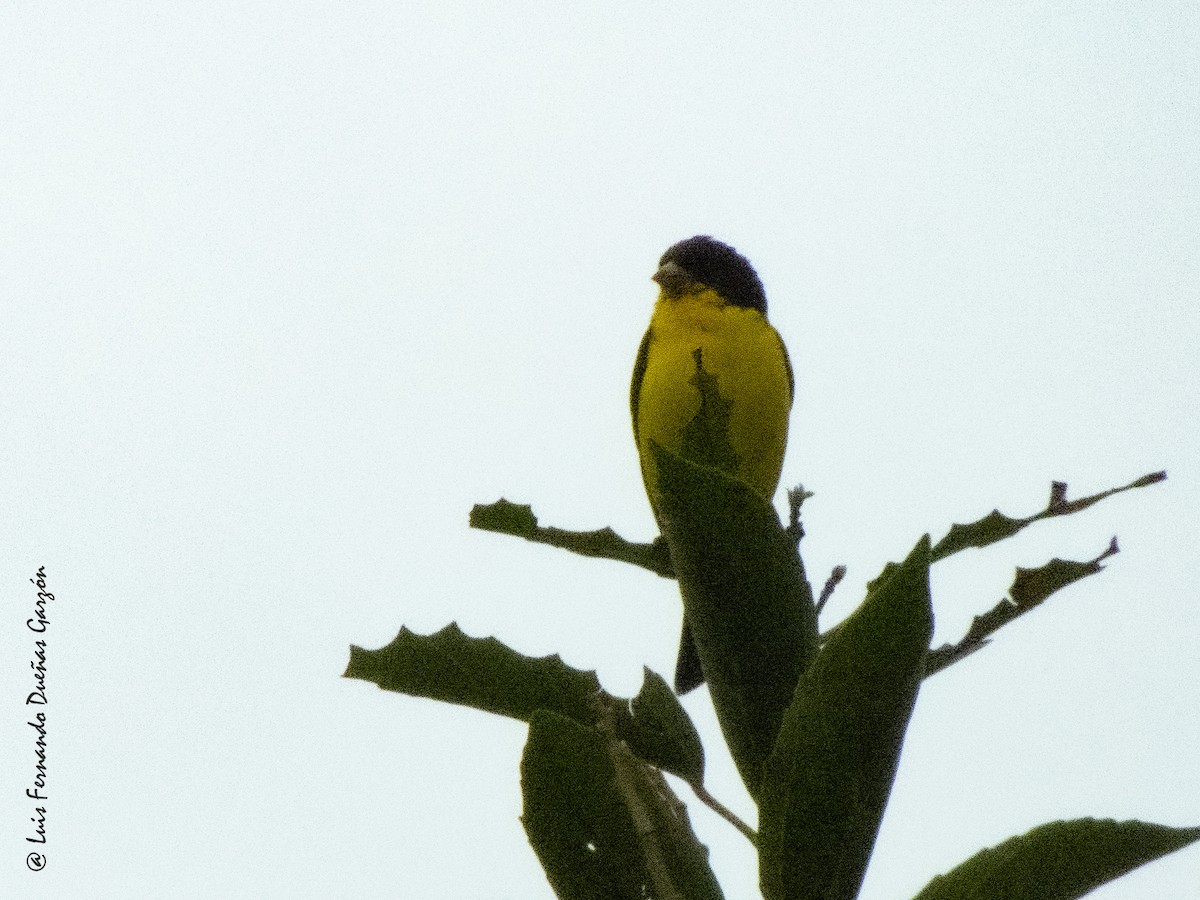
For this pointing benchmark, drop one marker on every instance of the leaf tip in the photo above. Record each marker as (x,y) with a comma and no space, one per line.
(504,516)
(357,665)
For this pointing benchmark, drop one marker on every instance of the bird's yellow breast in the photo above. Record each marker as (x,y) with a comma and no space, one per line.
(747,359)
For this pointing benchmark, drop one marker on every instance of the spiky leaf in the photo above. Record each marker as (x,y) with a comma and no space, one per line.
(1030,587)
(996,526)
(478,672)
(505,517)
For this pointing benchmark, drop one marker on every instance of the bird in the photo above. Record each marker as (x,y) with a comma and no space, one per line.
(710,319)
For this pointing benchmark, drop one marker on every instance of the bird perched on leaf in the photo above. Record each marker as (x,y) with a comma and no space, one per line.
(710,322)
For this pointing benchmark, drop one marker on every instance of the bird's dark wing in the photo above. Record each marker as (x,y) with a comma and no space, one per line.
(788,363)
(635,386)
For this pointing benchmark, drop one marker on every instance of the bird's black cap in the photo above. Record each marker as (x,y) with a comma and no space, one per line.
(722,268)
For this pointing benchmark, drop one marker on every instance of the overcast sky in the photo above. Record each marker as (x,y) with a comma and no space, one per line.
(288,287)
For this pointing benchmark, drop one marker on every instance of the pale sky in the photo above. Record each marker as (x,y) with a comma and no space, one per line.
(288,287)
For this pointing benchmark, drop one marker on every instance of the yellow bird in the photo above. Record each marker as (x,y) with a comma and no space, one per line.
(711,314)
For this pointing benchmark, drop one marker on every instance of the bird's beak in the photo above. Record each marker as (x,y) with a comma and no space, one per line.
(672,278)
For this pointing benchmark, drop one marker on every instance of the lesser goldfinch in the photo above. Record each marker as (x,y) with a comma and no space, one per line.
(710,320)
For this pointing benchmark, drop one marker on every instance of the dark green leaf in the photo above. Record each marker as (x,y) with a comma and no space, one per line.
(996,526)
(604,825)
(1058,861)
(478,672)
(661,732)
(705,439)
(746,599)
(993,527)
(1029,588)
(505,517)
(485,674)
(827,782)
(519,521)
